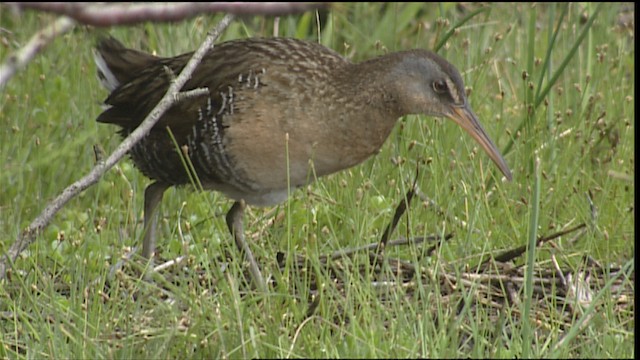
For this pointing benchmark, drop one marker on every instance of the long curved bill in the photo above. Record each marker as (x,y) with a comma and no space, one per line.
(464,117)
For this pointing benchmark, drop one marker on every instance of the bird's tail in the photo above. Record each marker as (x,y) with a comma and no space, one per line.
(117,64)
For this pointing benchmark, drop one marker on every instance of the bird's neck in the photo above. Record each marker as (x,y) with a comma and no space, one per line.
(364,109)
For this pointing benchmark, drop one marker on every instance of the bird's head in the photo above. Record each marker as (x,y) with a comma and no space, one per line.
(427,84)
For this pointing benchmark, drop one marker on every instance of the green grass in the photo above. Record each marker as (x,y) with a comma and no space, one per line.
(55,304)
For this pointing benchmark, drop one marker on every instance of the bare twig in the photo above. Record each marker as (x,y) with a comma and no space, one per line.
(132,13)
(400,210)
(593,208)
(39,41)
(169,263)
(514,253)
(559,272)
(195,93)
(103,14)
(29,234)
(403,241)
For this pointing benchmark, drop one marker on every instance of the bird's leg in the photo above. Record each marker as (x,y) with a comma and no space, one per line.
(236,227)
(152,197)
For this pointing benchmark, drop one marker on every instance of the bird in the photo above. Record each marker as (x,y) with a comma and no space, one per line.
(279,113)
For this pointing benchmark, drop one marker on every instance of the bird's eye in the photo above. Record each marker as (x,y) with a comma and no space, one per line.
(440,87)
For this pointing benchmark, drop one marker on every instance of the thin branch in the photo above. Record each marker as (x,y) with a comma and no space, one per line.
(195,93)
(514,253)
(132,13)
(30,234)
(103,15)
(400,210)
(39,41)
(170,263)
(402,241)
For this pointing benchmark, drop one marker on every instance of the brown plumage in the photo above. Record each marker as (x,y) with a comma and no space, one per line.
(280,111)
